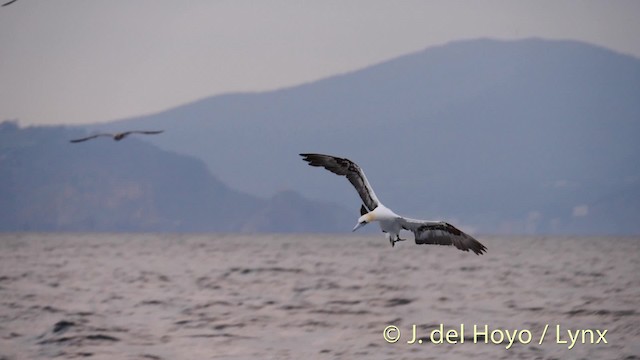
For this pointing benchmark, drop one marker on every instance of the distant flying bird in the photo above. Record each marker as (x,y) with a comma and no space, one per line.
(9,3)
(425,232)
(116,136)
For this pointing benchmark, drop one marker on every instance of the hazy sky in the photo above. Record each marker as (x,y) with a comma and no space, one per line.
(85,61)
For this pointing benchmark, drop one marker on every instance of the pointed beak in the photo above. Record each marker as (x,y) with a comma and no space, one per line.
(358,226)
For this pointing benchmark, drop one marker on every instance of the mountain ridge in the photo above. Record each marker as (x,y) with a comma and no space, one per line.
(476,130)
(48,184)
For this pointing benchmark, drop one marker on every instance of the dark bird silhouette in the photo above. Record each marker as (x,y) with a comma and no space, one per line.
(9,3)
(117,136)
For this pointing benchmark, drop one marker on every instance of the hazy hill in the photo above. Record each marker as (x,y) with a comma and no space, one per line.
(47,183)
(502,136)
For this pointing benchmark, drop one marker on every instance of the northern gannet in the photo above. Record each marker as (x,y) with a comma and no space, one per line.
(116,136)
(425,232)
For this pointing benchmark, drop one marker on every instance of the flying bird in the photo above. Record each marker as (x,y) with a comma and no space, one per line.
(117,136)
(9,3)
(425,232)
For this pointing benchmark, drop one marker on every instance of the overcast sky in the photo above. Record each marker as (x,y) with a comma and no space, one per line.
(86,61)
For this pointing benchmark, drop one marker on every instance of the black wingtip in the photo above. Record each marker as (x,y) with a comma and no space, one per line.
(312,159)
(477,247)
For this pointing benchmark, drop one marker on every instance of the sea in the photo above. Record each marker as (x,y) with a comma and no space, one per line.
(309,296)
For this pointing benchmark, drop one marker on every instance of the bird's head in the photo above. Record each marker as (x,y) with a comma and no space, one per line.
(363,220)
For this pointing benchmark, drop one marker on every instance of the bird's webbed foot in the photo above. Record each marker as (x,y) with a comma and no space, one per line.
(394,241)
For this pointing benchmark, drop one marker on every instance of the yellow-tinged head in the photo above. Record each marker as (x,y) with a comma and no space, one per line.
(364,220)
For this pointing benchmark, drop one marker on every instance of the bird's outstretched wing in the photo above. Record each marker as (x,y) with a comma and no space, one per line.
(144,132)
(351,170)
(9,3)
(441,233)
(89,138)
